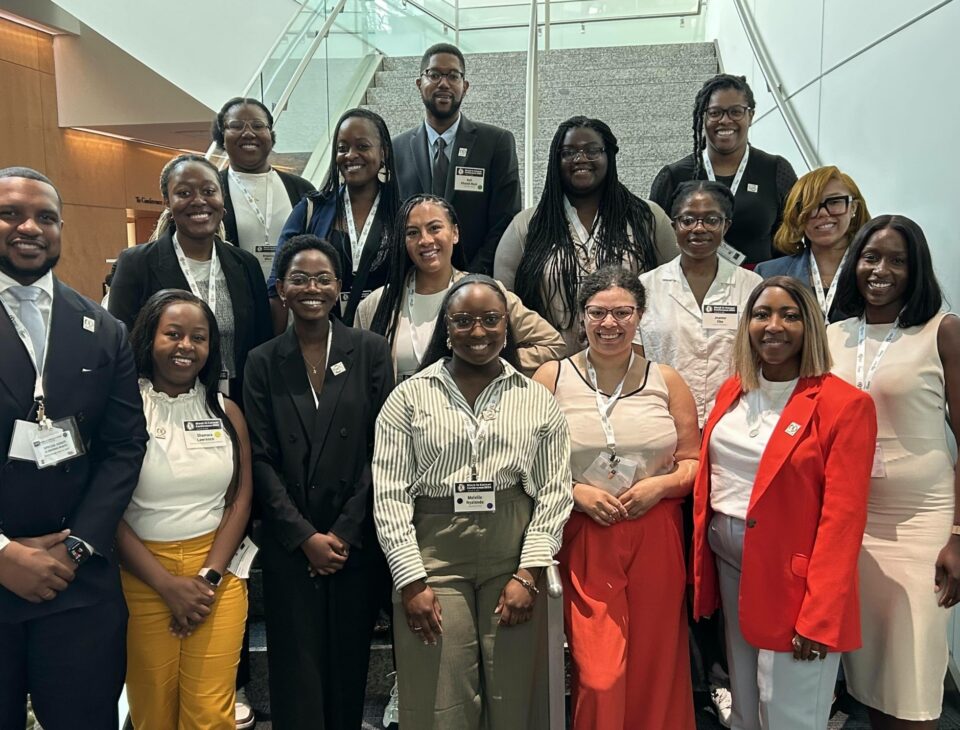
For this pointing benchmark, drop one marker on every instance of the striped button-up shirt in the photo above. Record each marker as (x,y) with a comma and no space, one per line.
(422,448)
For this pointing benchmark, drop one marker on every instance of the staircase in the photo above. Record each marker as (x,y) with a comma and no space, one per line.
(645,94)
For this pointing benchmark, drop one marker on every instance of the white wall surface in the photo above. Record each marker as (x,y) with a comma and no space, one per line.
(888,117)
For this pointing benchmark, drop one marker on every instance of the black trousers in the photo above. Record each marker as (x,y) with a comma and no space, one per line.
(318,641)
(72,664)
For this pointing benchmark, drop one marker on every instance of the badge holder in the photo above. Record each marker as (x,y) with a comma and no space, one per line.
(46,442)
(611,473)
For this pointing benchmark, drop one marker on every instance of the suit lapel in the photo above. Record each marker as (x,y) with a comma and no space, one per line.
(465,139)
(295,378)
(420,151)
(341,354)
(16,370)
(786,435)
(168,268)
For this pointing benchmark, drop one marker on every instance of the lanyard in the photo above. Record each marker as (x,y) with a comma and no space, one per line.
(826,301)
(477,428)
(585,237)
(37,367)
(864,383)
(358,242)
(708,166)
(211,298)
(605,405)
(418,351)
(252,202)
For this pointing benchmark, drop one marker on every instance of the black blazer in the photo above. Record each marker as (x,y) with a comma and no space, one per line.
(149,267)
(311,466)
(90,376)
(296,187)
(483,216)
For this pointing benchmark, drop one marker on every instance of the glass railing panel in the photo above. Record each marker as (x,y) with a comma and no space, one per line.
(626,32)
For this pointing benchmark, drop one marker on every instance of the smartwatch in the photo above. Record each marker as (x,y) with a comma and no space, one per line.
(77,550)
(210,576)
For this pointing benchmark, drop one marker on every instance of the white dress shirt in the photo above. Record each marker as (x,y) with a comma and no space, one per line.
(44,302)
(449,136)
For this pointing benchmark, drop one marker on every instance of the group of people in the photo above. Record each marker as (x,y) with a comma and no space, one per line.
(744,374)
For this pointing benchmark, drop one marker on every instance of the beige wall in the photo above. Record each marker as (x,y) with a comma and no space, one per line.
(98,177)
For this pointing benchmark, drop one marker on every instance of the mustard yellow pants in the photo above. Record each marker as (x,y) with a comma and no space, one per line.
(188,683)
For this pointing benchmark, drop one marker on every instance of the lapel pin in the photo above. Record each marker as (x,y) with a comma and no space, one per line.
(338,368)
(89,325)
(752,187)
(462,152)
(793,428)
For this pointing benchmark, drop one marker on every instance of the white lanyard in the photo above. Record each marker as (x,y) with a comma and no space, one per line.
(476,428)
(864,383)
(316,399)
(605,405)
(211,298)
(826,301)
(585,237)
(358,242)
(708,166)
(28,343)
(252,202)
(418,351)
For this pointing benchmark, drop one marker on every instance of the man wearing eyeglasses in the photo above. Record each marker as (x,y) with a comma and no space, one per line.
(471,164)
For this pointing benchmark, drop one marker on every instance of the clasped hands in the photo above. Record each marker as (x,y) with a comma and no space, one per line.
(37,569)
(607,510)
(326,553)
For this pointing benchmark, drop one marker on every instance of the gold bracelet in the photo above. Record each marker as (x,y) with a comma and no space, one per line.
(531,588)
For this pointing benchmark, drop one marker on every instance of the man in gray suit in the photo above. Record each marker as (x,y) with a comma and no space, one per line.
(471,164)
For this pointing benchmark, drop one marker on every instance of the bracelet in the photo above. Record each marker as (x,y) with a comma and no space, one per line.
(531,588)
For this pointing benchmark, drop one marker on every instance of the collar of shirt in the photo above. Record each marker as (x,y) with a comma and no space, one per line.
(437,371)
(44,283)
(726,272)
(449,137)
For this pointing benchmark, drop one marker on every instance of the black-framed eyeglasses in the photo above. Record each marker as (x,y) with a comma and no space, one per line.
(735,112)
(834,205)
(709,222)
(305,279)
(238,125)
(462,322)
(598,314)
(434,76)
(569,154)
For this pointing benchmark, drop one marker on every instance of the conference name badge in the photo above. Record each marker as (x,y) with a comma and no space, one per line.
(468,179)
(205,434)
(720,317)
(46,444)
(474,497)
(728,252)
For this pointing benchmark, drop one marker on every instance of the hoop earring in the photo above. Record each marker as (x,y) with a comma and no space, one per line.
(383,174)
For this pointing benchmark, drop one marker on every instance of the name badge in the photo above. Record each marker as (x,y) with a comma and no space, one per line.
(265,253)
(879,468)
(45,446)
(345,299)
(612,474)
(243,559)
(206,434)
(731,254)
(474,497)
(468,179)
(720,317)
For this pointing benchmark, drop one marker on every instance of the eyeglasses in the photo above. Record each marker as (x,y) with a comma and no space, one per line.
(834,205)
(709,222)
(598,314)
(434,76)
(735,112)
(238,125)
(304,280)
(466,322)
(569,154)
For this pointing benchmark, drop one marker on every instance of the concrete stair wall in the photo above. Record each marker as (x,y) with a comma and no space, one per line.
(645,94)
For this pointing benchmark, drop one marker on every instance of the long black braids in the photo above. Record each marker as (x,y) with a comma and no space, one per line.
(550,266)
(389,190)
(718,82)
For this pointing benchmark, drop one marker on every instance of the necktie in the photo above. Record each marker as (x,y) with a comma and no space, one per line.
(31,318)
(440,167)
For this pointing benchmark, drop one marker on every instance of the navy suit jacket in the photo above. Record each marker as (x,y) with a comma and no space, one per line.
(89,375)
(797,266)
(483,216)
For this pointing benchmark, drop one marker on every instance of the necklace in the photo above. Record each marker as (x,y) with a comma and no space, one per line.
(313,368)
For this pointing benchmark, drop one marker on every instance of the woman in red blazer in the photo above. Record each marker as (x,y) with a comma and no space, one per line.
(780,505)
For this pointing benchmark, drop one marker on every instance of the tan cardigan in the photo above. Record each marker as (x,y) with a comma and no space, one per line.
(537,342)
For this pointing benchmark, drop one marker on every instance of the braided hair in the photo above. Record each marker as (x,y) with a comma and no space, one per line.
(550,251)
(389,190)
(717,83)
(387,315)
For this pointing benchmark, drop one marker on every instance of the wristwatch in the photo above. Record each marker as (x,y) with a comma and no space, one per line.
(77,550)
(210,576)
(4,541)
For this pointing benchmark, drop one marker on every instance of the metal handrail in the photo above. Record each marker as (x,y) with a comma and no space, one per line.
(556,669)
(531,107)
(430,13)
(807,151)
(290,49)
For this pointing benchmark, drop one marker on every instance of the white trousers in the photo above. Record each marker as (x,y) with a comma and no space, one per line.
(771,690)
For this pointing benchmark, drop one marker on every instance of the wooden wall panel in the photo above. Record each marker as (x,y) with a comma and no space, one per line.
(21,117)
(142,166)
(19,45)
(90,237)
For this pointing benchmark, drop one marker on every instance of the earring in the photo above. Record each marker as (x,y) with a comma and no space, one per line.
(283,302)
(449,344)
(383,174)
(341,178)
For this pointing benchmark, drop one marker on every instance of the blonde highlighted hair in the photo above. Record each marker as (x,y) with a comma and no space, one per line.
(165,221)
(815,357)
(803,201)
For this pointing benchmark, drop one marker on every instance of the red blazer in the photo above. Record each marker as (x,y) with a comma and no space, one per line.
(805,520)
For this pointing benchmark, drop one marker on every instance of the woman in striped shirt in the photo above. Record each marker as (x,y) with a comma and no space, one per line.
(472,489)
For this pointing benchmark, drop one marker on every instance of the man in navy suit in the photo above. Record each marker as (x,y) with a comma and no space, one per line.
(471,164)
(62,614)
